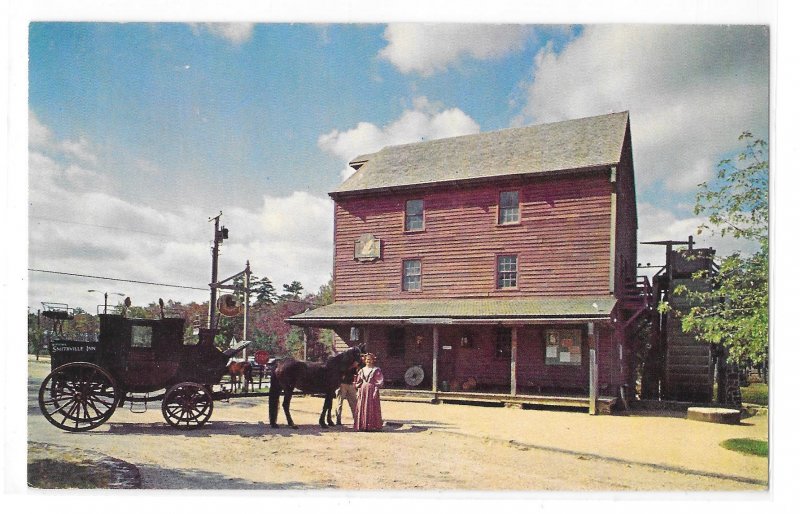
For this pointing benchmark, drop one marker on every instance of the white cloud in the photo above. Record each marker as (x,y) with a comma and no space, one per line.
(79,149)
(39,135)
(77,225)
(236,33)
(691,91)
(426,120)
(41,138)
(429,48)
(657,224)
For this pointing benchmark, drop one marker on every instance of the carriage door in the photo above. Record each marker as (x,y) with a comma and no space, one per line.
(140,349)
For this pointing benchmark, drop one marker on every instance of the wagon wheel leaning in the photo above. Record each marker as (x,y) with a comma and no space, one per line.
(78,396)
(187,405)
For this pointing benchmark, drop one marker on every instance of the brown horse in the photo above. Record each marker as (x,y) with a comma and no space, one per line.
(241,373)
(309,377)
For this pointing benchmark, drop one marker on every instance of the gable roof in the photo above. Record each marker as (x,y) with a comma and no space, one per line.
(567,145)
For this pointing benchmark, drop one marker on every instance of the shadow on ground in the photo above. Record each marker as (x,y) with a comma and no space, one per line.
(254,430)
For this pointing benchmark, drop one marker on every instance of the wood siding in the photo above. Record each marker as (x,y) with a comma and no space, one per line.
(478,361)
(626,220)
(562,241)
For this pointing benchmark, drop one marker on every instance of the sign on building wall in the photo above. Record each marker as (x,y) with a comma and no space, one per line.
(367,248)
(563,347)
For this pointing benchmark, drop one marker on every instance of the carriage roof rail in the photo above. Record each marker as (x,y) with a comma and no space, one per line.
(55,310)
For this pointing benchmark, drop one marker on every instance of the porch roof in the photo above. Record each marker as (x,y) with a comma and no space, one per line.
(454,311)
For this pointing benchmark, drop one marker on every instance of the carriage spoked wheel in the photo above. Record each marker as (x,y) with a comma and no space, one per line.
(78,396)
(187,405)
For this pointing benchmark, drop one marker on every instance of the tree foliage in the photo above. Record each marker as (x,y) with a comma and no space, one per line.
(36,341)
(292,291)
(734,312)
(267,327)
(264,290)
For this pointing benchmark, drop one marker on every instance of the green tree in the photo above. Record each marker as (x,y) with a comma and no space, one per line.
(325,294)
(36,341)
(292,291)
(735,310)
(321,344)
(264,290)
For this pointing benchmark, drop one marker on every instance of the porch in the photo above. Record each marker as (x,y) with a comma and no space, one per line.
(604,404)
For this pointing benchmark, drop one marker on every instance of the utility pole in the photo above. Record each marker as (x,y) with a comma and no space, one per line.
(219,235)
(246,300)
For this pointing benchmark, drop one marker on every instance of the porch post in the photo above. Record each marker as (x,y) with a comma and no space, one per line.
(434,373)
(593,379)
(514,361)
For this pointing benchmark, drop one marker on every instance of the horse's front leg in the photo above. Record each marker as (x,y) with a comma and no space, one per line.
(287,401)
(329,400)
(326,409)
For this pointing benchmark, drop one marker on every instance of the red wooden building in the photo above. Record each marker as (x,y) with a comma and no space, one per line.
(495,266)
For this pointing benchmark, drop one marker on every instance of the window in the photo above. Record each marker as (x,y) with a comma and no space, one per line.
(397,342)
(563,347)
(509,208)
(412,275)
(506,271)
(502,348)
(141,336)
(415,210)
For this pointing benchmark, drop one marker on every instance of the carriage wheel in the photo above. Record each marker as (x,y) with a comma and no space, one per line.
(78,396)
(187,405)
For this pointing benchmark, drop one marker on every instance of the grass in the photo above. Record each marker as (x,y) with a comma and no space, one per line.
(747,446)
(61,474)
(757,393)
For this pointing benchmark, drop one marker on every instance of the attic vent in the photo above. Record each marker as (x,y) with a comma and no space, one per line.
(357,164)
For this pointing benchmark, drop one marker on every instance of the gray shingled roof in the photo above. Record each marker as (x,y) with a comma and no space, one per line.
(461,309)
(567,145)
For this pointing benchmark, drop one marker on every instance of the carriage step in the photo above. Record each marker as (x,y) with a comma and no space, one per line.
(139,405)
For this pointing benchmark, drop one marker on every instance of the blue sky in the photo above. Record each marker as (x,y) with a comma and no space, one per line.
(139,132)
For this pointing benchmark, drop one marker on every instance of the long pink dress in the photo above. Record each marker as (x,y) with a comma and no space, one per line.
(368,408)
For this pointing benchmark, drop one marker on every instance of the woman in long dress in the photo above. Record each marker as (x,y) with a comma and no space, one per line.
(368,405)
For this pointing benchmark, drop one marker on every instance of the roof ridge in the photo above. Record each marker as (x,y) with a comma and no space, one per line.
(498,131)
(576,144)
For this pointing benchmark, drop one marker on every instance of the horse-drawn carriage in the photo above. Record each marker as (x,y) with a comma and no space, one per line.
(134,361)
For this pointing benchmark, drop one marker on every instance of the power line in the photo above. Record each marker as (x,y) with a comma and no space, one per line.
(69,222)
(287,300)
(118,279)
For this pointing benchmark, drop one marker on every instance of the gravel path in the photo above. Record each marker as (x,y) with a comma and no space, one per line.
(423,447)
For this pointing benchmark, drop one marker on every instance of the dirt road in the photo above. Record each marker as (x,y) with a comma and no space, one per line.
(423,447)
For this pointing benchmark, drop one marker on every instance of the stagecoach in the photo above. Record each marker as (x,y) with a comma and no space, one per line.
(134,361)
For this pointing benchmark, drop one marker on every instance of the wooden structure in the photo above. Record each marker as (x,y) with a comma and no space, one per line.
(679,367)
(494,267)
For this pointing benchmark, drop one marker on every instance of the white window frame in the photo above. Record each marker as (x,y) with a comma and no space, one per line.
(417,218)
(407,278)
(508,214)
(504,273)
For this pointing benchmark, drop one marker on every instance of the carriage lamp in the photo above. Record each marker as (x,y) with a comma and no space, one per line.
(105,298)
